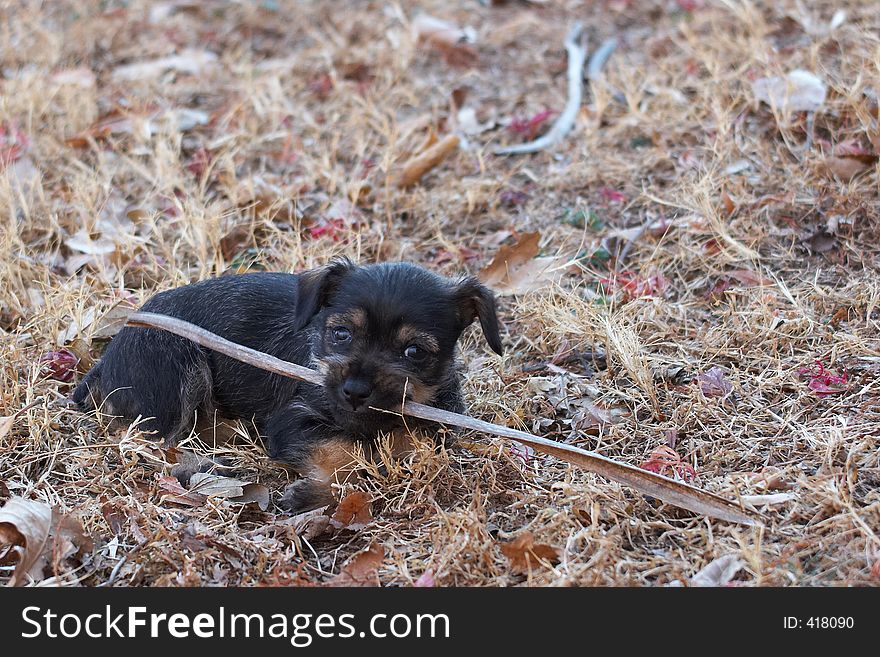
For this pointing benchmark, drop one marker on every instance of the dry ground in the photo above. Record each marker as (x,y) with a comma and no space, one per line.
(760,259)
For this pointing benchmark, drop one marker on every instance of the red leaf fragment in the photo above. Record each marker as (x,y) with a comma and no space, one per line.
(60,365)
(13,144)
(665,461)
(612,195)
(335,229)
(633,286)
(713,383)
(824,382)
(529,127)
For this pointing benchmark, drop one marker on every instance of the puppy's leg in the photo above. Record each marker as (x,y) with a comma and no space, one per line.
(331,461)
(299,437)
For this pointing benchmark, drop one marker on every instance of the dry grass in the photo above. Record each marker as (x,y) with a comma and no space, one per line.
(310,105)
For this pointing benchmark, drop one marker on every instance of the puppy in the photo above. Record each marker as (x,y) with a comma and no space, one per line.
(377,333)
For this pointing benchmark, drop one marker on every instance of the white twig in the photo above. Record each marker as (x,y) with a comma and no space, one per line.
(598,59)
(577,54)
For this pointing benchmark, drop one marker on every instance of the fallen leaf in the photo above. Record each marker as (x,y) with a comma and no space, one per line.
(425,580)
(525,555)
(821,242)
(824,382)
(798,91)
(354,512)
(467,122)
(515,270)
(447,38)
(113,123)
(253,494)
(142,124)
(25,525)
(713,383)
(189,61)
(209,484)
(769,499)
(361,569)
(39,536)
(633,286)
(718,572)
(177,494)
(528,128)
(59,365)
(749,278)
(310,524)
(81,241)
(666,461)
(844,168)
(113,320)
(232,242)
(431,29)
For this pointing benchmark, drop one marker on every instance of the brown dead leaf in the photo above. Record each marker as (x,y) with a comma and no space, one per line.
(515,270)
(25,525)
(40,536)
(821,242)
(253,493)
(417,167)
(354,512)
(209,484)
(749,278)
(361,569)
(844,168)
(177,494)
(115,515)
(310,524)
(524,554)
(233,241)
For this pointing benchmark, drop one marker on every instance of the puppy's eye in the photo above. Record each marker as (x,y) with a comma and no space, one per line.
(341,334)
(415,353)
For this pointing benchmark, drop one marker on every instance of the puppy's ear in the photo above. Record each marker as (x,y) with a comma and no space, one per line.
(476,300)
(316,287)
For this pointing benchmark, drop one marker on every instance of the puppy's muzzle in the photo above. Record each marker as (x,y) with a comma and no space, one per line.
(357,391)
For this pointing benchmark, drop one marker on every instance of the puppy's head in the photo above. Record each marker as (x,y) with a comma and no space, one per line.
(388,332)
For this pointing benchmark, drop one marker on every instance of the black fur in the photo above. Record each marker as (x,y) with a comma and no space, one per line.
(170,380)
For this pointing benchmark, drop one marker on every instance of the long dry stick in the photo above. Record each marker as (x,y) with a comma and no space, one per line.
(649,483)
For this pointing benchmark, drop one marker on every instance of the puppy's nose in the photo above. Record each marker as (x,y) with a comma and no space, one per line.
(356,391)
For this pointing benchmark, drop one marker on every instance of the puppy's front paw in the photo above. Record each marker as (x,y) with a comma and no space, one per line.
(305,495)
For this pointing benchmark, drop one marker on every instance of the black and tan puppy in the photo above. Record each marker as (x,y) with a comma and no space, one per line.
(378,333)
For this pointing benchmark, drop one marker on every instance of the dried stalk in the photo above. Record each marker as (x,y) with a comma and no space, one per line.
(422,163)
(663,488)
